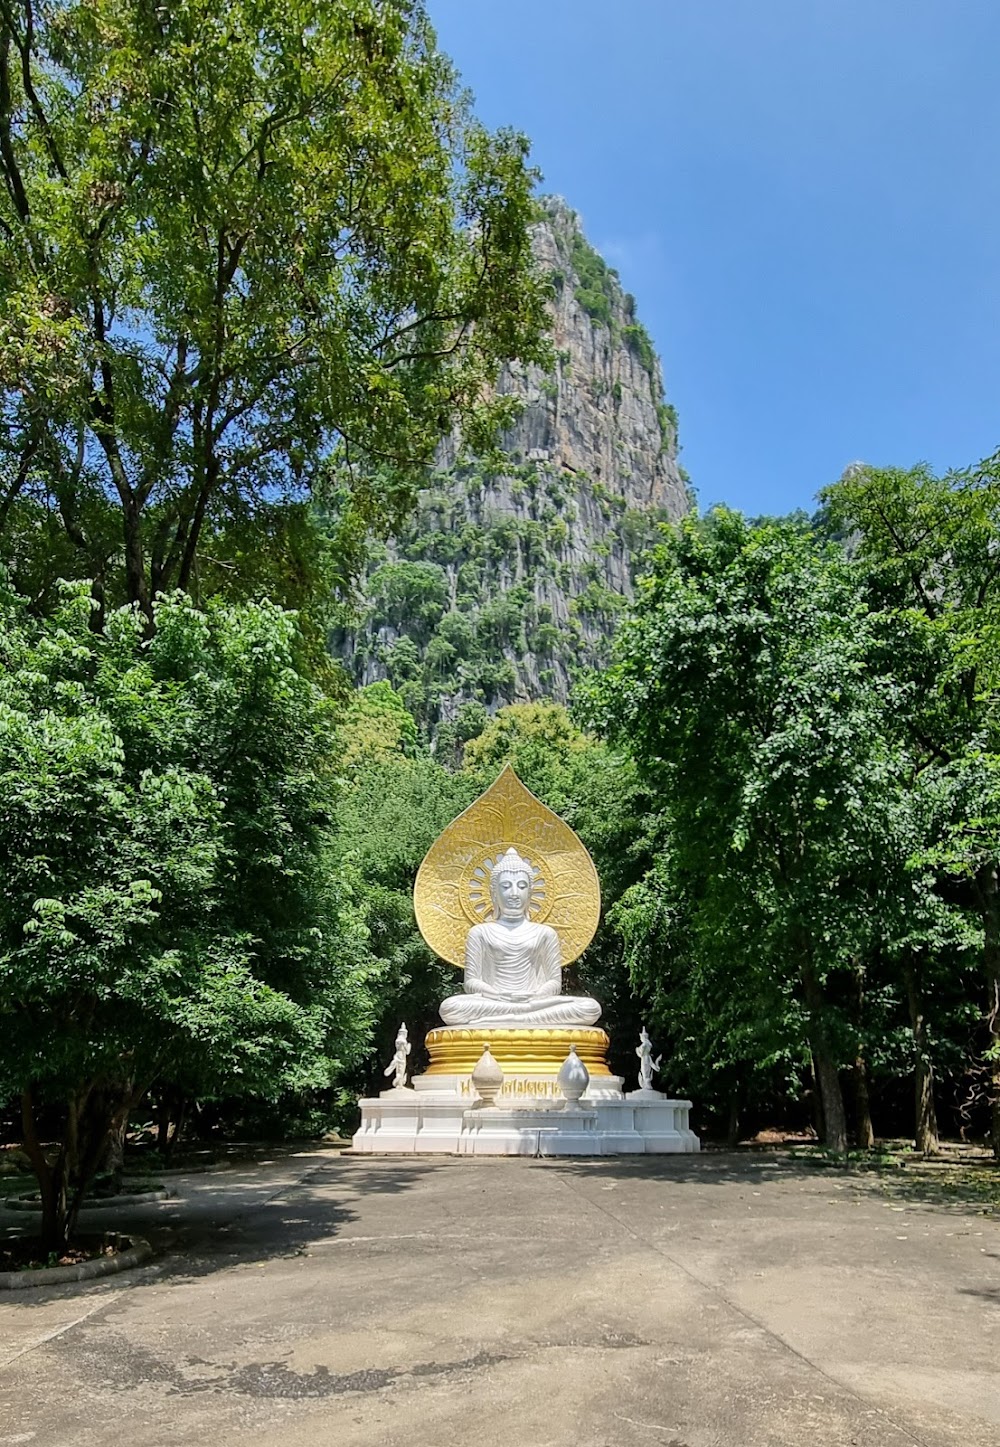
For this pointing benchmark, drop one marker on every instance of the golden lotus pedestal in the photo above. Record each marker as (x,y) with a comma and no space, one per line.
(519,1053)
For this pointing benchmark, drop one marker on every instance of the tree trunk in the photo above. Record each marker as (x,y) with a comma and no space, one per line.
(834,1116)
(113,1161)
(93,1116)
(816,1100)
(865,1131)
(170,1113)
(986,881)
(733,1122)
(925,1133)
(135,571)
(53,1219)
(862,1106)
(824,1063)
(163,1125)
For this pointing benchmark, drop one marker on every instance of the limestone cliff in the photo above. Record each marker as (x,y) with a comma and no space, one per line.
(507,581)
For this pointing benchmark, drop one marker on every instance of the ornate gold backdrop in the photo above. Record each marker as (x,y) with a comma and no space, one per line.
(452,893)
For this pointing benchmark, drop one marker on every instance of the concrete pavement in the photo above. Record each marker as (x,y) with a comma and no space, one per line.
(713,1301)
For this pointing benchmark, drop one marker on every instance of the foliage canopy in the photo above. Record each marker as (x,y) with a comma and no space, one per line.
(247,254)
(170,912)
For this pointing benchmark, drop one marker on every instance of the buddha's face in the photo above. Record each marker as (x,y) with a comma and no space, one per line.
(511,893)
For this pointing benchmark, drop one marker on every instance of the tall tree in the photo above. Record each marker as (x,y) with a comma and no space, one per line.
(171,913)
(745,688)
(248,253)
(930,548)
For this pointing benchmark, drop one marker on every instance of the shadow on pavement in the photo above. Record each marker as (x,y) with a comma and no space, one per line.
(709,1168)
(953,1186)
(206,1231)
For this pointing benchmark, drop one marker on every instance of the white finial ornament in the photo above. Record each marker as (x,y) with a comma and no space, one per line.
(487,1078)
(398,1062)
(573,1078)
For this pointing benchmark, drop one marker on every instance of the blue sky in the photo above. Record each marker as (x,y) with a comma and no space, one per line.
(804,196)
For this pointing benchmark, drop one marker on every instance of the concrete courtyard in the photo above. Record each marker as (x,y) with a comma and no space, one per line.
(321,1300)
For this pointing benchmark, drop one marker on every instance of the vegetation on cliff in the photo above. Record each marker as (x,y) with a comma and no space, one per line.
(511,573)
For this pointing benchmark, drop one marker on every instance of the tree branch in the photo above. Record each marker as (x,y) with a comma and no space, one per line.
(11,170)
(20,478)
(25,48)
(172,407)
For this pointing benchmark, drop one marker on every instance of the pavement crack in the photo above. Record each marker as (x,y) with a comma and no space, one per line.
(272,1380)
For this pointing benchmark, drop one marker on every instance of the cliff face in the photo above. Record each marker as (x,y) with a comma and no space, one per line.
(602,414)
(506,582)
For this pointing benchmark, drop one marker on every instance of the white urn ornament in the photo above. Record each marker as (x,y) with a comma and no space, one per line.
(487,1079)
(573,1077)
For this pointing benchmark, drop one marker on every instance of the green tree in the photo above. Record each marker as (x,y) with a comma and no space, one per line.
(170,913)
(391,808)
(748,689)
(247,254)
(374,726)
(930,548)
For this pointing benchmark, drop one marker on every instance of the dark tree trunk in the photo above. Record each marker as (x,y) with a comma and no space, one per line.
(53,1200)
(163,1125)
(925,1131)
(825,1064)
(135,570)
(834,1116)
(733,1121)
(94,1113)
(171,1110)
(864,1130)
(113,1161)
(862,1106)
(819,1125)
(986,882)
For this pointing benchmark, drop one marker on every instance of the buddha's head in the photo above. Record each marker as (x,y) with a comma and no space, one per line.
(510,886)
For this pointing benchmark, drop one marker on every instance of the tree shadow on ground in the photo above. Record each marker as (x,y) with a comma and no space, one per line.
(961,1185)
(196,1235)
(720,1168)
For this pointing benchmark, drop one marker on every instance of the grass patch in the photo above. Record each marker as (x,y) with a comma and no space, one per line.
(960,1176)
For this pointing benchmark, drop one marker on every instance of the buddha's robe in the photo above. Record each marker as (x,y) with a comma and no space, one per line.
(513,979)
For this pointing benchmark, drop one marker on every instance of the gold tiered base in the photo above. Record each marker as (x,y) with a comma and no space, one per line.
(517,1052)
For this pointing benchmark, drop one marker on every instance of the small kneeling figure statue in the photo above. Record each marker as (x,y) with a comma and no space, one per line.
(513,967)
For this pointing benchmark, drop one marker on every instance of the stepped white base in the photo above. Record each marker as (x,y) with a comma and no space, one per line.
(439,1115)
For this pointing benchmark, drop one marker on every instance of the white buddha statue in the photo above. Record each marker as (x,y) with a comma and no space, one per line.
(513,967)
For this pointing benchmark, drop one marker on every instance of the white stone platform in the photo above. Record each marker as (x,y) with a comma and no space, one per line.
(441,1114)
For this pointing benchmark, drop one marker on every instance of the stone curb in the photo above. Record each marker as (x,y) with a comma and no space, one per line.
(138,1252)
(107,1203)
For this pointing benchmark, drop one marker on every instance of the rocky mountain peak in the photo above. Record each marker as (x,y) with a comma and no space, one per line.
(507,580)
(603,412)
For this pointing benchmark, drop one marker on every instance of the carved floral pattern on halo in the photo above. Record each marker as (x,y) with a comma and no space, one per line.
(452,892)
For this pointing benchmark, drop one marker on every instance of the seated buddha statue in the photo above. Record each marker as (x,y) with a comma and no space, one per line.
(513,967)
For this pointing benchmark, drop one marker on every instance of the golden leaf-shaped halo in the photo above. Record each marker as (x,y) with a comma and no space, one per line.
(452,891)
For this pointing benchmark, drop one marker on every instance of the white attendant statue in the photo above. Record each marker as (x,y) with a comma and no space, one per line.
(513,967)
(647,1065)
(398,1064)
